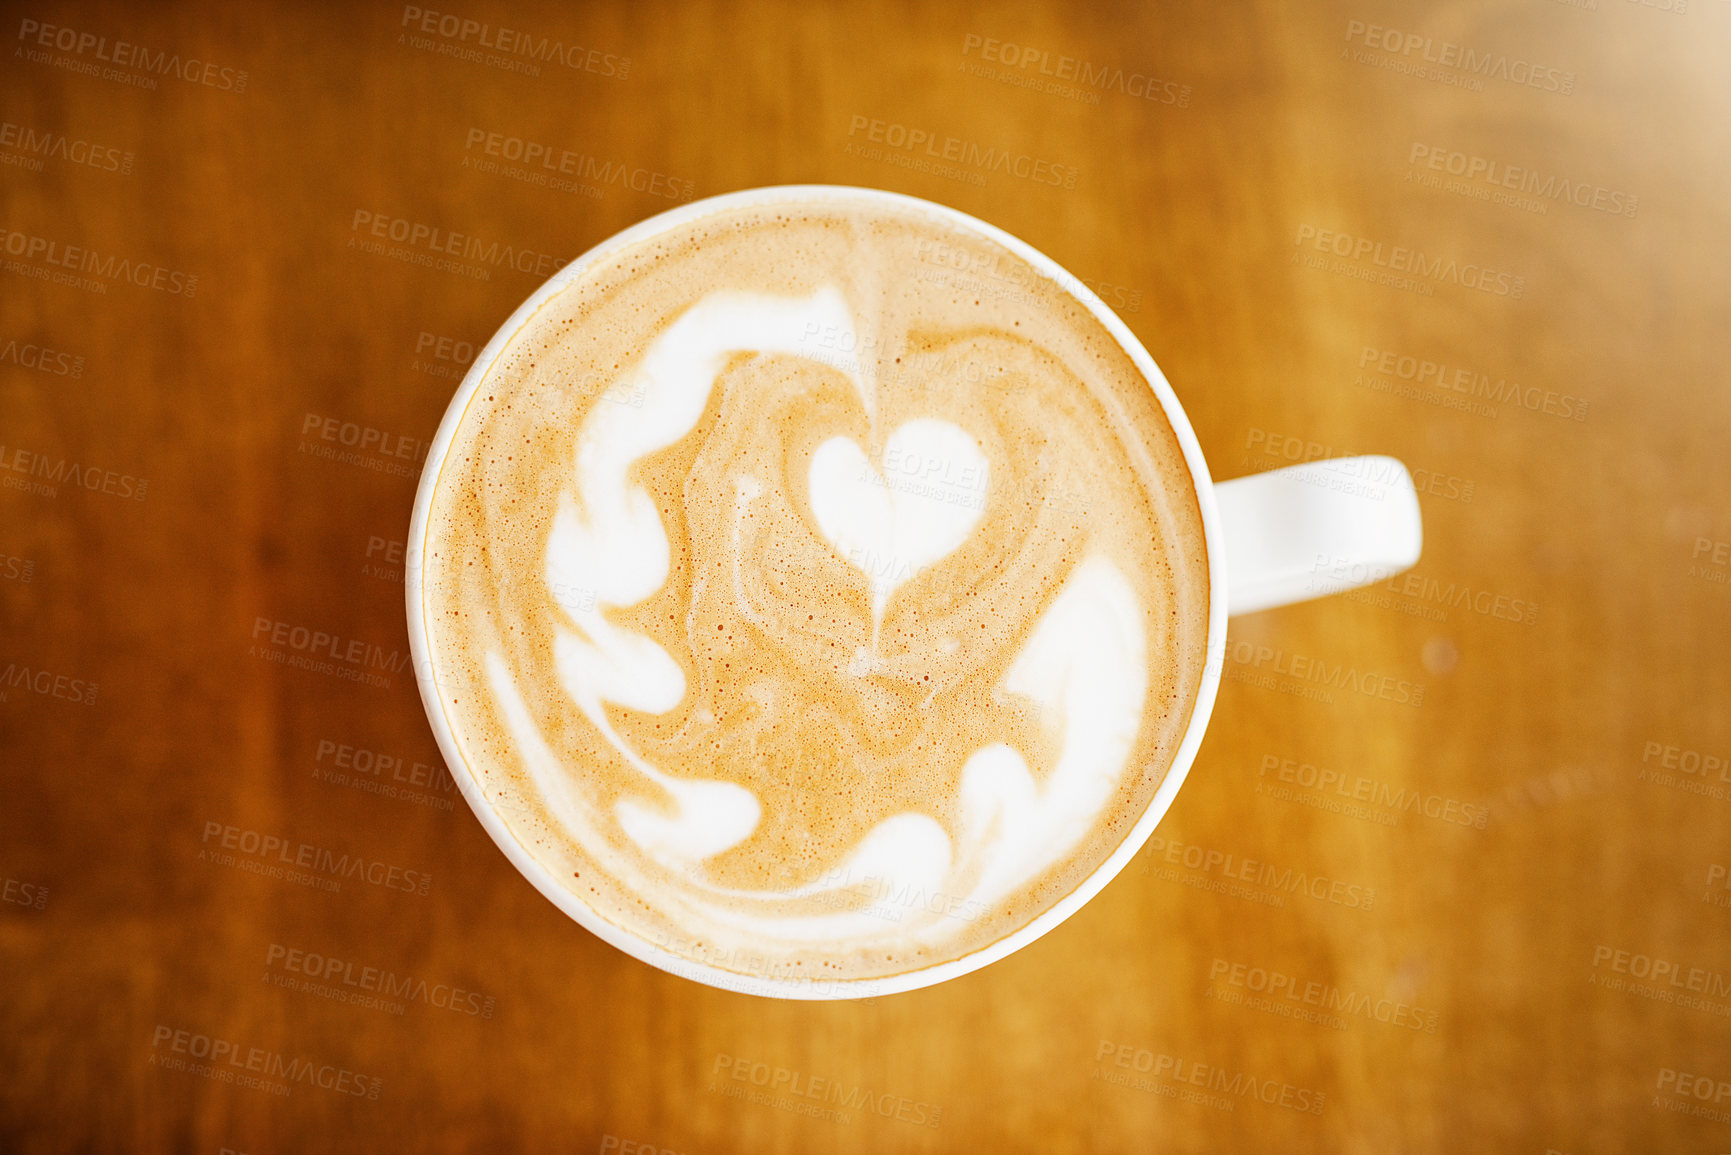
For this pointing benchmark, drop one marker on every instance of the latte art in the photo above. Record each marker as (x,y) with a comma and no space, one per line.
(807,659)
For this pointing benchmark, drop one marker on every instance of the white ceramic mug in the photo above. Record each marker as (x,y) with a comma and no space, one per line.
(1272,539)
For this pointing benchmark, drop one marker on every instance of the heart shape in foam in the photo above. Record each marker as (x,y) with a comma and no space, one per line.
(890,528)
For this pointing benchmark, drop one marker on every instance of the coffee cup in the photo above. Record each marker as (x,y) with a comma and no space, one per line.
(1270,539)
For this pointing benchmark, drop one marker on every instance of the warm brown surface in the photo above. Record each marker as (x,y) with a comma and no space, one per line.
(1605,538)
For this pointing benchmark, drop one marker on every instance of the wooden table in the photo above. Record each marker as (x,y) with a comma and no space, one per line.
(244,908)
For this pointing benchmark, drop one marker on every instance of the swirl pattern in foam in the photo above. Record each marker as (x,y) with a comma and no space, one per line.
(817,589)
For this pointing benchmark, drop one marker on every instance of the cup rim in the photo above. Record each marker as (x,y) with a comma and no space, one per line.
(774,986)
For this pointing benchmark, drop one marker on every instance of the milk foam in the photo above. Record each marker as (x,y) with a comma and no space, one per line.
(610,539)
(884,787)
(892,532)
(1083,664)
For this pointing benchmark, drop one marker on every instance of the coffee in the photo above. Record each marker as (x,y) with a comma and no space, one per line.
(816,589)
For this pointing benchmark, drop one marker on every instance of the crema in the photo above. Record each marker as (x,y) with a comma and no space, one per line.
(816,589)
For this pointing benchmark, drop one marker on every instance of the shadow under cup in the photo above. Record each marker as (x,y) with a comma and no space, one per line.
(743,973)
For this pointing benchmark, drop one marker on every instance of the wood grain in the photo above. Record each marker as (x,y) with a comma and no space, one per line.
(1497,825)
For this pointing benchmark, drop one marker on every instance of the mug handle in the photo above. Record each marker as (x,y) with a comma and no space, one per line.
(1315,529)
